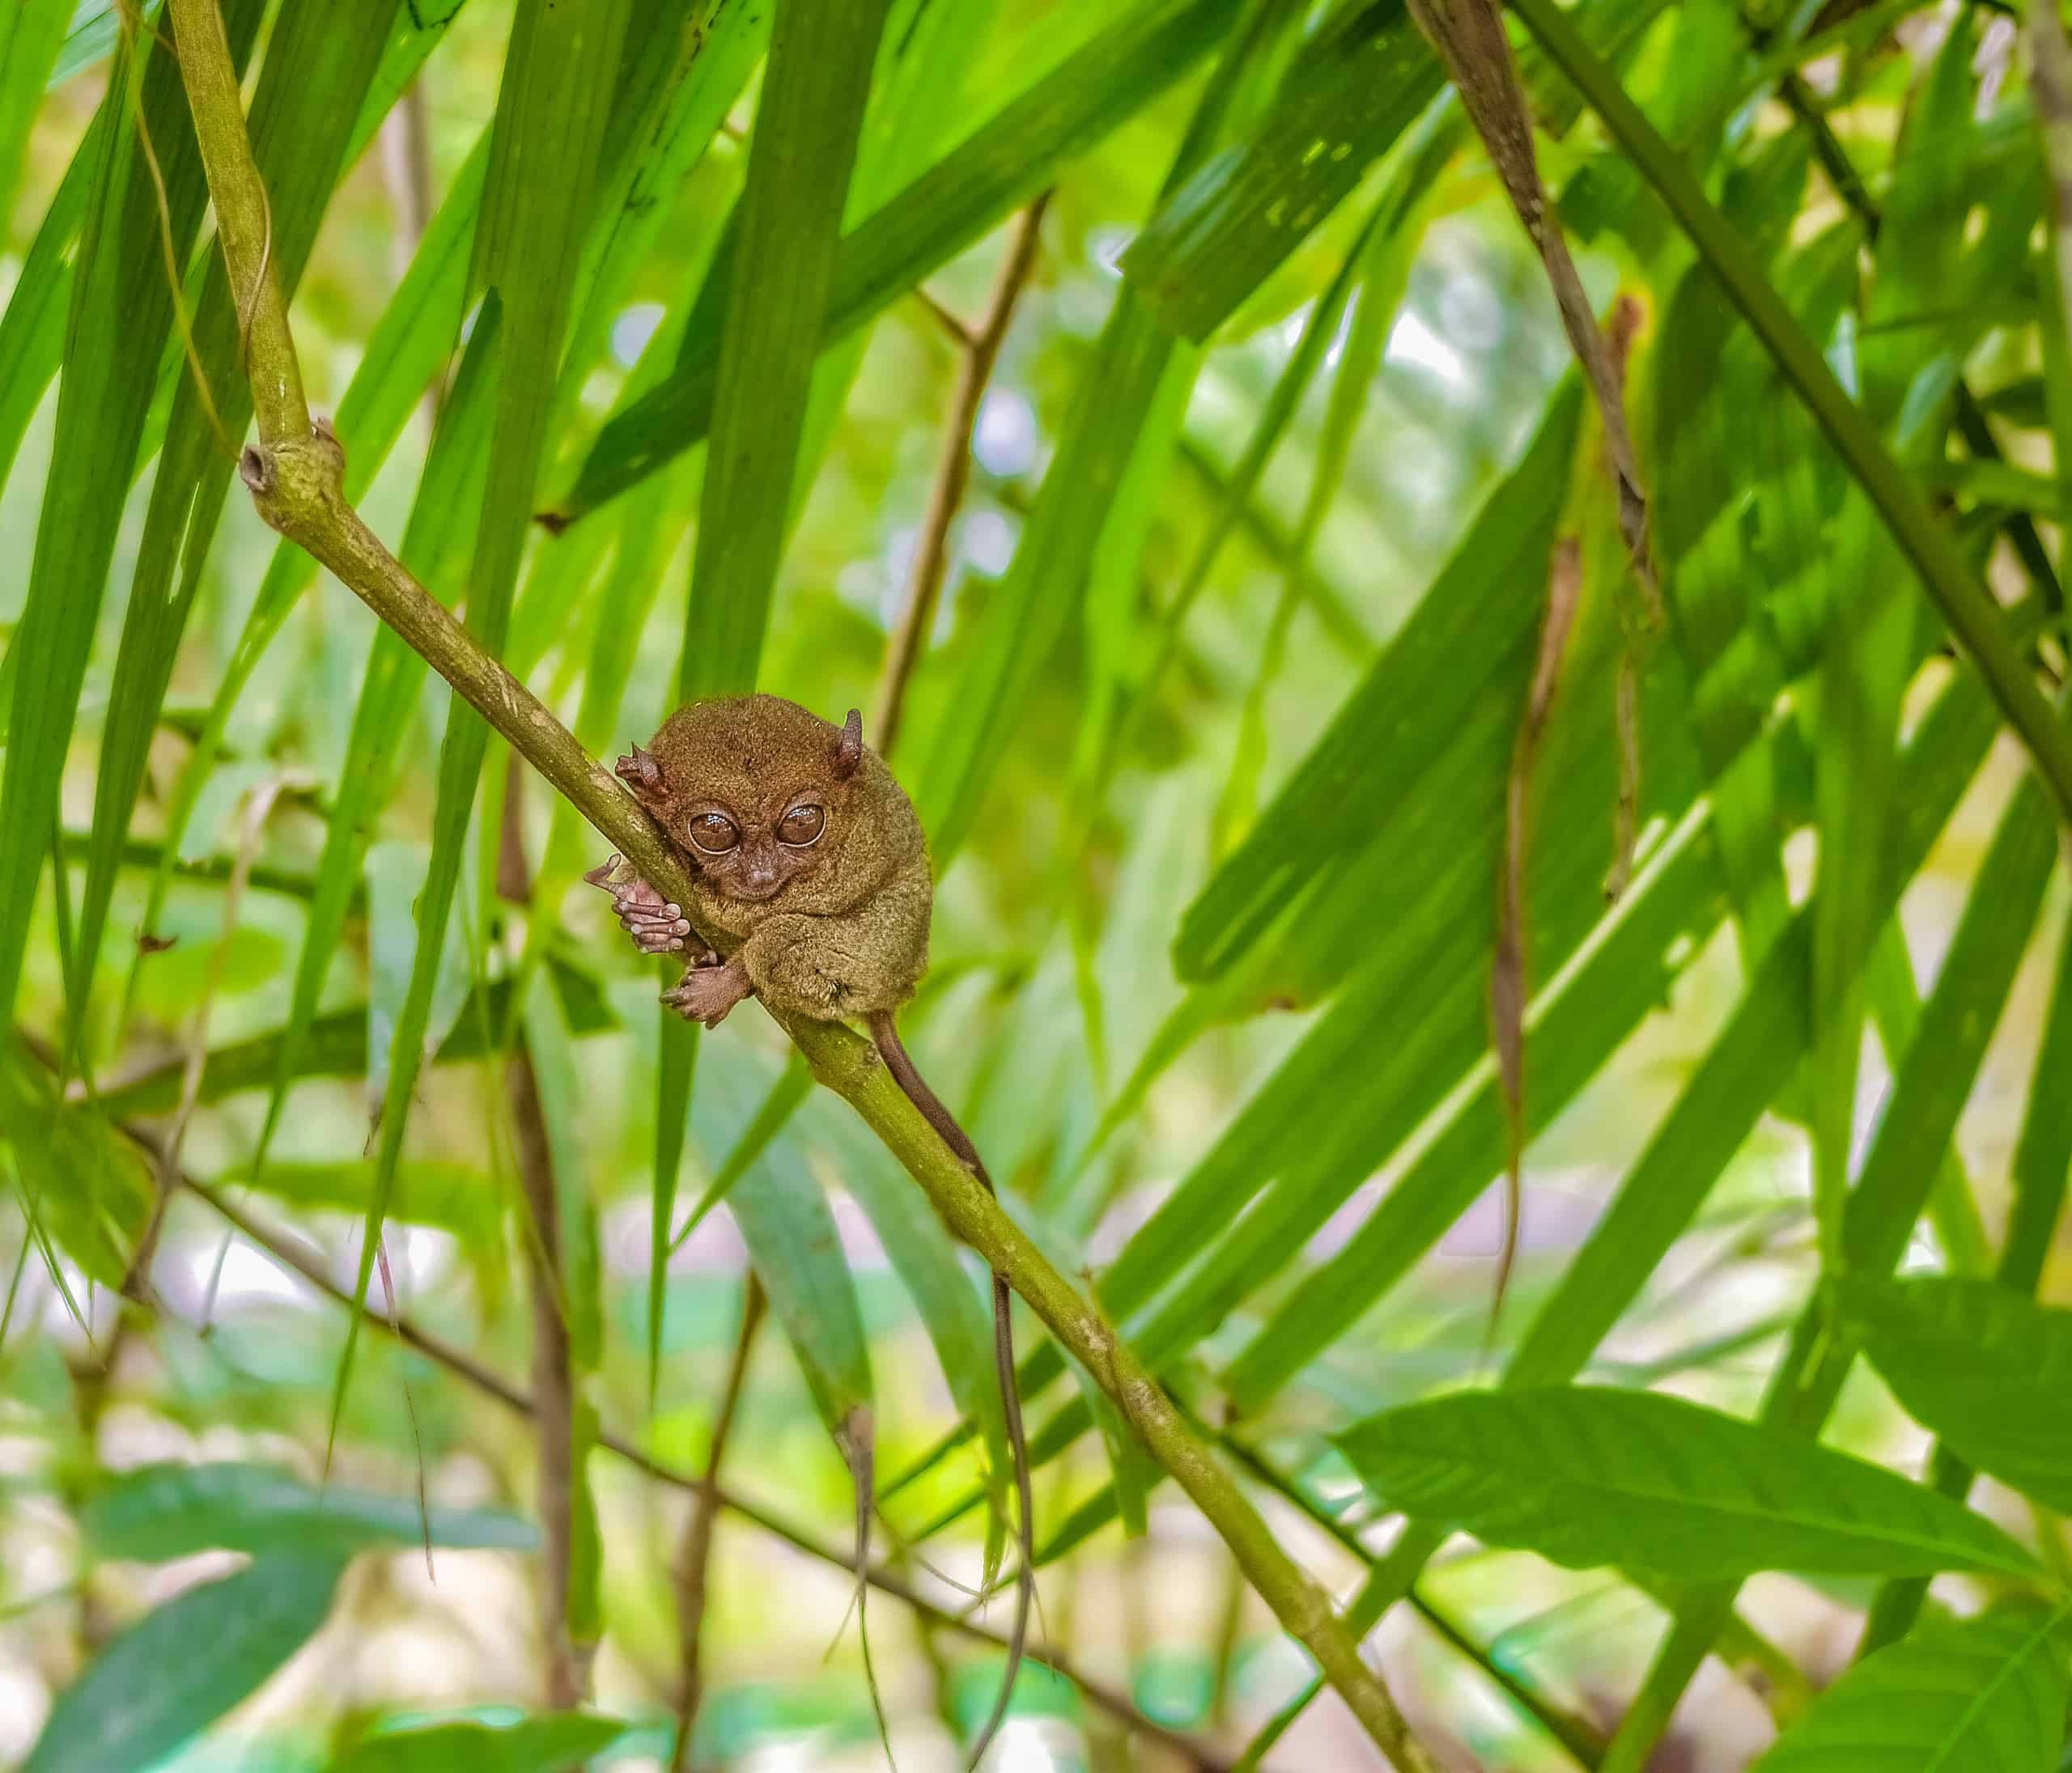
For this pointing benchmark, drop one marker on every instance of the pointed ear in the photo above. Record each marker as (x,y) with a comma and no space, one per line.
(849,748)
(643,774)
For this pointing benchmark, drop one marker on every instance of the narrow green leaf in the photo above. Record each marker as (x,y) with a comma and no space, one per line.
(185,1665)
(559,80)
(968,190)
(544,1744)
(30,34)
(1590,1477)
(156,1513)
(313,87)
(560,1105)
(1352,90)
(120,292)
(1979,1365)
(436,542)
(1752,1060)
(1987,1694)
(791,1237)
(93,1192)
(788,232)
(1976,620)
(1407,709)
(409,345)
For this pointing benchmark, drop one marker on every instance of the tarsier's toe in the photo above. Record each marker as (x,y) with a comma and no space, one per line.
(602,875)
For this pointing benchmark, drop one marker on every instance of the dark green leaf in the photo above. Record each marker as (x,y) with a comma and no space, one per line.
(185,1665)
(1987,1695)
(1982,1367)
(1351,92)
(1588,1478)
(999,166)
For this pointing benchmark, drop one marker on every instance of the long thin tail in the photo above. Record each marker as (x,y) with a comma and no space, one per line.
(885,1033)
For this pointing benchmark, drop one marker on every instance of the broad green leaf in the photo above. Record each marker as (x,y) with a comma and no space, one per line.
(999,166)
(1351,92)
(1588,1476)
(1979,1366)
(1986,1694)
(155,1512)
(120,292)
(186,1664)
(558,79)
(547,1743)
(1928,1090)
(455,1198)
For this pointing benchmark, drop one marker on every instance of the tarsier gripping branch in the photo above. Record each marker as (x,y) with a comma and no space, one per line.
(807,858)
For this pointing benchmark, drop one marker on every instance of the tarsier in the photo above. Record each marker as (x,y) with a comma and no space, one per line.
(804,851)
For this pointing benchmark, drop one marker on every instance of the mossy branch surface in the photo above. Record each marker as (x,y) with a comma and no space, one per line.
(295,474)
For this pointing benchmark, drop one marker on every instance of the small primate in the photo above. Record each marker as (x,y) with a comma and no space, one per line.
(804,850)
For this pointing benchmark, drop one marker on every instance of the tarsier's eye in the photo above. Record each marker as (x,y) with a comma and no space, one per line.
(714,833)
(802,825)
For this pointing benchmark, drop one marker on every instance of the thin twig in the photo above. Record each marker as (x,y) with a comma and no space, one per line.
(296,474)
(694,1557)
(310,1267)
(953,474)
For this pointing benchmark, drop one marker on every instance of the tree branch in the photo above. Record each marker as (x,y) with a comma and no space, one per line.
(982,350)
(295,474)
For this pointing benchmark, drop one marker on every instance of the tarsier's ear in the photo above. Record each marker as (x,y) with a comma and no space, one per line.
(642,774)
(849,748)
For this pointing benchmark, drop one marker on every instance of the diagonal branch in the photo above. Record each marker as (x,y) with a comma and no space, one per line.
(295,473)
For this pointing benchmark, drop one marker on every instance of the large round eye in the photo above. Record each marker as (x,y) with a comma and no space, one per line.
(714,833)
(802,825)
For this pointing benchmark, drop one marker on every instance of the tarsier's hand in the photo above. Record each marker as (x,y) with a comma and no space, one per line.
(656,926)
(708,989)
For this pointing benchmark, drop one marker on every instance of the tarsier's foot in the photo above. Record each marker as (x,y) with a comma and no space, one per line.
(656,926)
(708,989)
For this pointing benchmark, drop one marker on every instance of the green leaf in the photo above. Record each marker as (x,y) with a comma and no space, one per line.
(1466,627)
(30,34)
(548,1743)
(92,1191)
(999,166)
(1986,1694)
(1352,90)
(155,1512)
(409,345)
(120,293)
(560,76)
(1976,620)
(1590,1477)
(440,533)
(791,1234)
(788,234)
(1979,1365)
(186,1664)
(1752,1060)
(311,89)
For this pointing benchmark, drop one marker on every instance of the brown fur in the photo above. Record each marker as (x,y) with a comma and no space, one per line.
(844,929)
